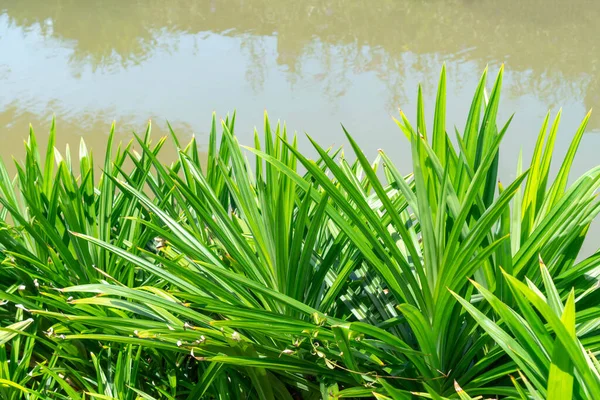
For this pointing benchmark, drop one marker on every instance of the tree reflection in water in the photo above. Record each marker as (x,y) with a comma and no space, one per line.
(550,45)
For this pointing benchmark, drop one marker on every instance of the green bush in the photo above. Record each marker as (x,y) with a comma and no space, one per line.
(288,278)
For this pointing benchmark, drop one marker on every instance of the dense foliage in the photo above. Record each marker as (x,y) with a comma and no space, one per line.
(285,277)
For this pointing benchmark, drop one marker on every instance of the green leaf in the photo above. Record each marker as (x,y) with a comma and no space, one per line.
(560,380)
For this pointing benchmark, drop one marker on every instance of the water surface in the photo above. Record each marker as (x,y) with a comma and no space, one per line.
(314,64)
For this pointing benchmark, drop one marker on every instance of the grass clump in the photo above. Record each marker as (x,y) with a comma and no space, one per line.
(291,278)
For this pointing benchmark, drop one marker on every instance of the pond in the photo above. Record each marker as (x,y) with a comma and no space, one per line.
(314,64)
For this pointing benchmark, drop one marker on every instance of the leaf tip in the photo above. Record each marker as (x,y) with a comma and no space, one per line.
(457,387)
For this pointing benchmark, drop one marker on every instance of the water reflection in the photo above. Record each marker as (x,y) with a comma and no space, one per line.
(314,57)
(11,117)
